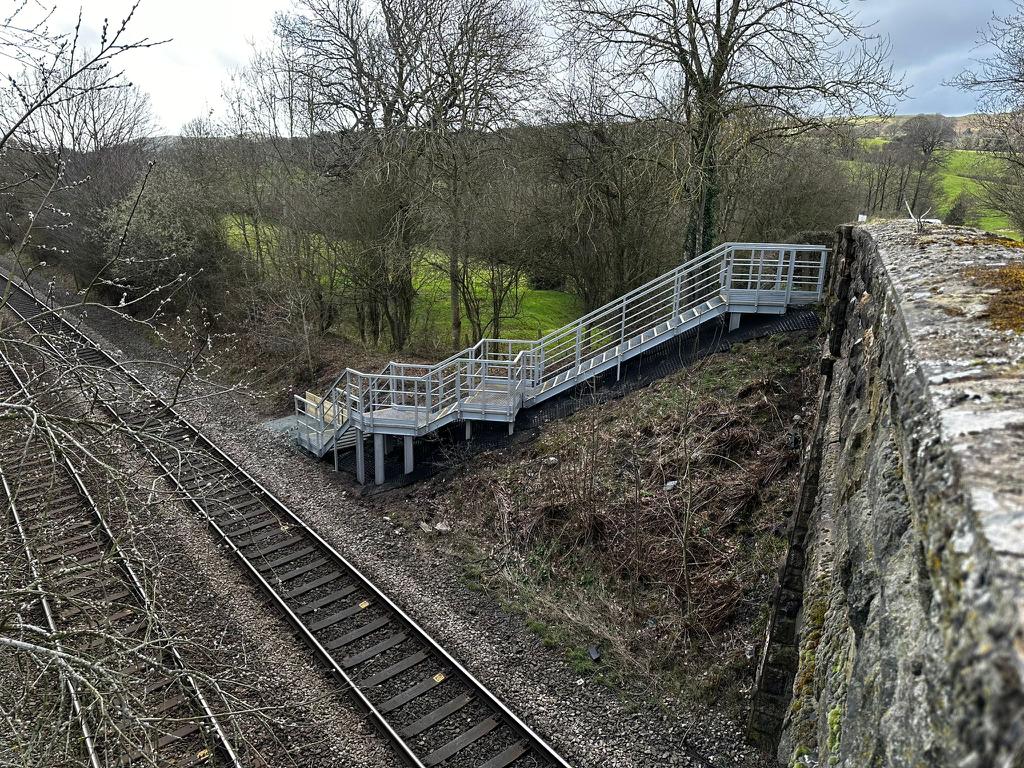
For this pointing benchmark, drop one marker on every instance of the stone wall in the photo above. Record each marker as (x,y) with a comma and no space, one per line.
(896,637)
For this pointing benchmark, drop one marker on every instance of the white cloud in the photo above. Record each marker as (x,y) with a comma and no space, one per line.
(208,40)
(932,40)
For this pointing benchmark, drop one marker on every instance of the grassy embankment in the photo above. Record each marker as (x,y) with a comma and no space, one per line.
(965,170)
(647,529)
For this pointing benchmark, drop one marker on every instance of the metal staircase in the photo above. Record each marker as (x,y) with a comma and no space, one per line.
(493,379)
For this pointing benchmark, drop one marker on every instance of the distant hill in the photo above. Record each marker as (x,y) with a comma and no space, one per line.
(971,130)
(966,166)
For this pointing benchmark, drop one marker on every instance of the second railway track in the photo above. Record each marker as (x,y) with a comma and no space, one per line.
(144,707)
(432,709)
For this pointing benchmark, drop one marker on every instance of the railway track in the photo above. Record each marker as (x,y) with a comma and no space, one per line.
(425,702)
(142,707)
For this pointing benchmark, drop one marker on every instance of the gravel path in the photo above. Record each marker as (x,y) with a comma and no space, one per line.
(588,723)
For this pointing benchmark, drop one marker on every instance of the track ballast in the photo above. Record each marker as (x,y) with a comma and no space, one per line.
(145,707)
(431,708)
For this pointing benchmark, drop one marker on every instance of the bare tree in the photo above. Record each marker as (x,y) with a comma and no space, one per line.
(60,101)
(611,191)
(495,64)
(401,78)
(496,242)
(800,186)
(798,64)
(999,78)
(97,145)
(999,81)
(884,172)
(926,135)
(44,117)
(55,70)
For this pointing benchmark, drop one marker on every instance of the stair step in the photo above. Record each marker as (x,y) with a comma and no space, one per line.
(537,382)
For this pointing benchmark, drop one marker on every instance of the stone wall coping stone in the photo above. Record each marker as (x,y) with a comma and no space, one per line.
(974,371)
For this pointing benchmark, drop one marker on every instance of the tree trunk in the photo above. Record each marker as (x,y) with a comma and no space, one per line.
(458,246)
(471,302)
(398,309)
(453,297)
(703,193)
(917,186)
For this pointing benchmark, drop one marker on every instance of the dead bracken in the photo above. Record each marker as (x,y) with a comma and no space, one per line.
(649,525)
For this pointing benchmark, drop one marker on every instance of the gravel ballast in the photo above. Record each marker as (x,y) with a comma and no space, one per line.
(286,709)
(588,723)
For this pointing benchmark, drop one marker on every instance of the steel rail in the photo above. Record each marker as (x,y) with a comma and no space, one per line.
(48,612)
(534,745)
(221,740)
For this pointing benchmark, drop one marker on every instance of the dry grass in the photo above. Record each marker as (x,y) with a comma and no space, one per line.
(650,526)
(990,240)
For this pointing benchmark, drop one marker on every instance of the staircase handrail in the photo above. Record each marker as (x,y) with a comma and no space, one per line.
(707,276)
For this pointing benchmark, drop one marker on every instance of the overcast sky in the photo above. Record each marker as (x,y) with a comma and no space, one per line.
(931,40)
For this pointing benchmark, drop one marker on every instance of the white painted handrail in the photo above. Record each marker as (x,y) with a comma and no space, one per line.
(494,378)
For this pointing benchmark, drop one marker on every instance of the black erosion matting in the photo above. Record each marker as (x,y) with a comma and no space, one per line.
(448,448)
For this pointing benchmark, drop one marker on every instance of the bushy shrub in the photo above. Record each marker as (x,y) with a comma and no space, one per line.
(166,242)
(960,211)
(545,276)
(825,237)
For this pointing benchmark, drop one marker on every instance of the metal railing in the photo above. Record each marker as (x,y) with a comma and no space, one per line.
(493,379)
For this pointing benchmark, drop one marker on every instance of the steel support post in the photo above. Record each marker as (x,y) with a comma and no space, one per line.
(734,321)
(469,429)
(378,458)
(727,277)
(360,458)
(792,274)
(408,455)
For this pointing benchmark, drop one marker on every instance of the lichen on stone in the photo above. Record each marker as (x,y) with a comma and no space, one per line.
(1006,305)
(909,635)
(835,733)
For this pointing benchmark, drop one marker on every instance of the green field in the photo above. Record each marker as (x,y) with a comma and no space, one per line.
(965,170)
(876,142)
(538,312)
